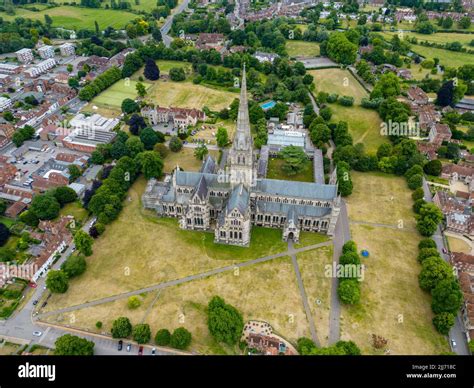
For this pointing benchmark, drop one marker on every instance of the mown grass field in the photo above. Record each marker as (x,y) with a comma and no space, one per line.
(188,95)
(76,17)
(439,37)
(300,48)
(364,124)
(392,304)
(275,171)
(185,159)
(113,96)
(446,57)
(165,67)
(140,249)
(266,291)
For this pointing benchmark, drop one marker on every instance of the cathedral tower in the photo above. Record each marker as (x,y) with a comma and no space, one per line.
(241,156)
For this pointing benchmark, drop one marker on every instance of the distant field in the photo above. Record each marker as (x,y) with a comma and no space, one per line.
(364,124)
(118,92)
(165,67)
(439,37)
(338,81)
(301,48)
(446,57)
(188,95)
(77,18)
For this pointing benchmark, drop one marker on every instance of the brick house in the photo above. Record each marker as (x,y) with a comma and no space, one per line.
(439,133)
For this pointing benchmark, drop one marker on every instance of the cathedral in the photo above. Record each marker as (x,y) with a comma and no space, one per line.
(230,200)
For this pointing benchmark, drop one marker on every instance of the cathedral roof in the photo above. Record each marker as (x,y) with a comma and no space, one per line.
(292,211)
(209,165)
(201,188)
(296,189)
(239,199)
(243,138)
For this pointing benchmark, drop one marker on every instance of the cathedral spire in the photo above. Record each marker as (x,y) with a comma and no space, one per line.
(243,138)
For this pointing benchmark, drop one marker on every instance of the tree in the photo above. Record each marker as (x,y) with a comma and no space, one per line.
(163,337)
(340,49)
(175,144)
(180,339)
(150,137)
(45,206)
(447,297)
(295,160)
(75,265)
(319,133)
(465,22)
(348,291)
(134,302)
(136,123)
(151,164)
(151,72)
(350,347)
(426,243)
(29,218)
(433,167)
(224,321)
(418,193)
(64,194)
(83,242)
(141,333)
(222,137)
(445,95)
(415,181)
(201,151)
(57,281)
(71,345)
(141,89)
(177,74)
(4,234)
(134,146)
(434,270)
(443,322)
(48,20)
(426,253)
(388,85)
(129,106)
(121,328)
(74,172)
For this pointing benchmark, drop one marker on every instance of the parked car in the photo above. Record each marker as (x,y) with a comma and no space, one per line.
(153,351)
(37,333)
(120,345)
(35,302)
(140,351)
(453,343)
(44,304)
(129,347)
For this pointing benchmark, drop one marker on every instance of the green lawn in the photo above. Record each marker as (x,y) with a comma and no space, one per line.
(165,67)
(439,37)
(76,210)
(113,96)
(446,57)
(275,171)
(299,48)
(76,17)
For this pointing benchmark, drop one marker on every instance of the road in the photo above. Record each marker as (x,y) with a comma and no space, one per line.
(342,234)
(169,22)
(457,332)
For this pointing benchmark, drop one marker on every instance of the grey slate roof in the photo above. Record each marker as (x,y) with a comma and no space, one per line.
(189,178)
(296,189)
(239,199)
(201,189)
(209,165)
(292,211)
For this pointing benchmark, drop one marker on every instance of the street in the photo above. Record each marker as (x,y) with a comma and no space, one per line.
(457,331)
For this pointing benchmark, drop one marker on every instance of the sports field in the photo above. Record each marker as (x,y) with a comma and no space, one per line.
(113,96)
(76,18)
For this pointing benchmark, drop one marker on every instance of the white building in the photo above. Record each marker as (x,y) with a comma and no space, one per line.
(95,122)
(46,52)
(9,68)
(40,68)
(25,55)
(67,49)
(5,103)
(265,57)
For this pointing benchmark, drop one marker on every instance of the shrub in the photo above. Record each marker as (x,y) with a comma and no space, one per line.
(180,339)
(163,337)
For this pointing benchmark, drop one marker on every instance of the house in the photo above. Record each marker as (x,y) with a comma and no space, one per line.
(457,172)
(55,237)
(6,133)
(462,262)
(427,149)
(207,41)
(51,174)
(466,280)
(46,52)
(5,103)
(439,133)
(67,49)
(268,345)
(457,212)
(405,74)
(265,57)
(25,55)
(177,117)
(7,170)
(427,115)
(417,95)
(41,68)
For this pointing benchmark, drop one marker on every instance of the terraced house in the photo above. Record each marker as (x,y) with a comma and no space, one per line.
(231,201)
